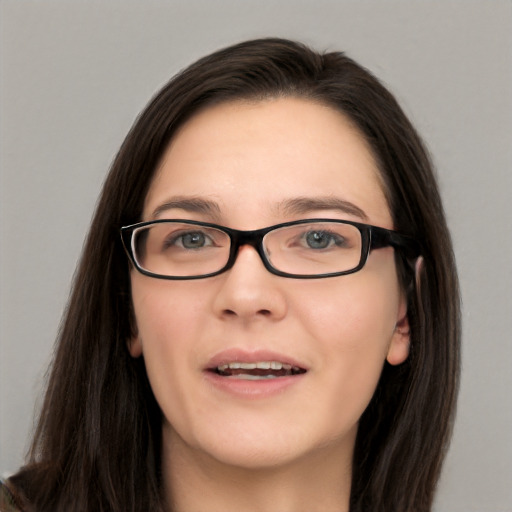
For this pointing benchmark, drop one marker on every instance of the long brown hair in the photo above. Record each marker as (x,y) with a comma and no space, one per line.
(97,443)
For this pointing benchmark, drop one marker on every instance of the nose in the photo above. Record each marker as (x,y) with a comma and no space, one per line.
(249,291)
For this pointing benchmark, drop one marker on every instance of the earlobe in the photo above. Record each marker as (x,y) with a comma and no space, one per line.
(135,346)
(398,350)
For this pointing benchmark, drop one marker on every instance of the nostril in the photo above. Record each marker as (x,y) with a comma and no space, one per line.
(262,312)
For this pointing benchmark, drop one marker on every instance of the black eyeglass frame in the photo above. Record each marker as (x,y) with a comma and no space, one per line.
(372,237)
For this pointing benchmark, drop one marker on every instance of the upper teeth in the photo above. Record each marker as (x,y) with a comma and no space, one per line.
(262,365)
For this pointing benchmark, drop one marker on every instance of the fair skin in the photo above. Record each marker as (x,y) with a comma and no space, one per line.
(256,445)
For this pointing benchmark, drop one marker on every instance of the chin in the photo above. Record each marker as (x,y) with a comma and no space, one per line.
(257,447)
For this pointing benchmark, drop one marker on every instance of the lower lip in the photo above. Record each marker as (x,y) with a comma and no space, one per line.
(261,388)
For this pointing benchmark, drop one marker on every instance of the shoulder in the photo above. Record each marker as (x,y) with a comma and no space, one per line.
(10,501)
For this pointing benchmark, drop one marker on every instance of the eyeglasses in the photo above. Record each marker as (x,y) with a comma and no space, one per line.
(302,249)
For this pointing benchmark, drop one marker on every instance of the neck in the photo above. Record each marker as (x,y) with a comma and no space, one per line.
(194,481)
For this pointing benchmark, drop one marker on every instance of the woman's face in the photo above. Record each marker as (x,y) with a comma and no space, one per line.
(248,166)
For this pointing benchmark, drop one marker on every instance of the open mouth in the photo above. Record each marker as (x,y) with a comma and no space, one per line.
(257,371)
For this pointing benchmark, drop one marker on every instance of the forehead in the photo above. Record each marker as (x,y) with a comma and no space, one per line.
(255,155)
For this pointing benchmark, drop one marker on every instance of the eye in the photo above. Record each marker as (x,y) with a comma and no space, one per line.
(321,239)
(189,240)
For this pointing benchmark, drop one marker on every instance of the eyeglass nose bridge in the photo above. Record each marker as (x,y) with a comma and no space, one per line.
(251,238)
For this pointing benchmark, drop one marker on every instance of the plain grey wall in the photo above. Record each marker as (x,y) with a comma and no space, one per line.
(74,76)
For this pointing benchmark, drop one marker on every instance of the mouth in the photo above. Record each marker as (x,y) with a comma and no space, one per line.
(261,370)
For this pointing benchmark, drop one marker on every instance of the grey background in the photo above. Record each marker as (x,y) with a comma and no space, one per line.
(74,76)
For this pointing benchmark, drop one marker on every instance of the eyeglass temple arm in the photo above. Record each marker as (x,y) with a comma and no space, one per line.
(381,237)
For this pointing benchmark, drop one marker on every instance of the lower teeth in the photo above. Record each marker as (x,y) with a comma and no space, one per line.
(246,376)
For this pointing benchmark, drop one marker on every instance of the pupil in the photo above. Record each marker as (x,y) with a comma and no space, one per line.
(317,239)
(193,240)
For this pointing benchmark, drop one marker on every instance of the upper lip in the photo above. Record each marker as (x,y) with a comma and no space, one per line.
(232,355)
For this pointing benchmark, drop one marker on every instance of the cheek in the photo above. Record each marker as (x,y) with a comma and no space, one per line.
(165,311)
(355,314)
(352,327)
(168,321)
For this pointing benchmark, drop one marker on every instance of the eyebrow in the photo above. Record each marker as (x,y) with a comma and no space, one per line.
(301,205)
(189,204)
(293,206)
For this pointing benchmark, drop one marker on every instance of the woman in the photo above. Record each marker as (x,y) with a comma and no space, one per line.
(266,310)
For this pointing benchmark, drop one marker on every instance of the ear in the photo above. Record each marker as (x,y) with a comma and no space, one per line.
(398,350)
(418,270)
(134,343)
(135,346)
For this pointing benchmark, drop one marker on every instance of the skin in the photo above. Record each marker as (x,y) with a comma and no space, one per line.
(291,450)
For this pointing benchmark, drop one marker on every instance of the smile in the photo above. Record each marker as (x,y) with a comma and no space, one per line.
(257,370)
